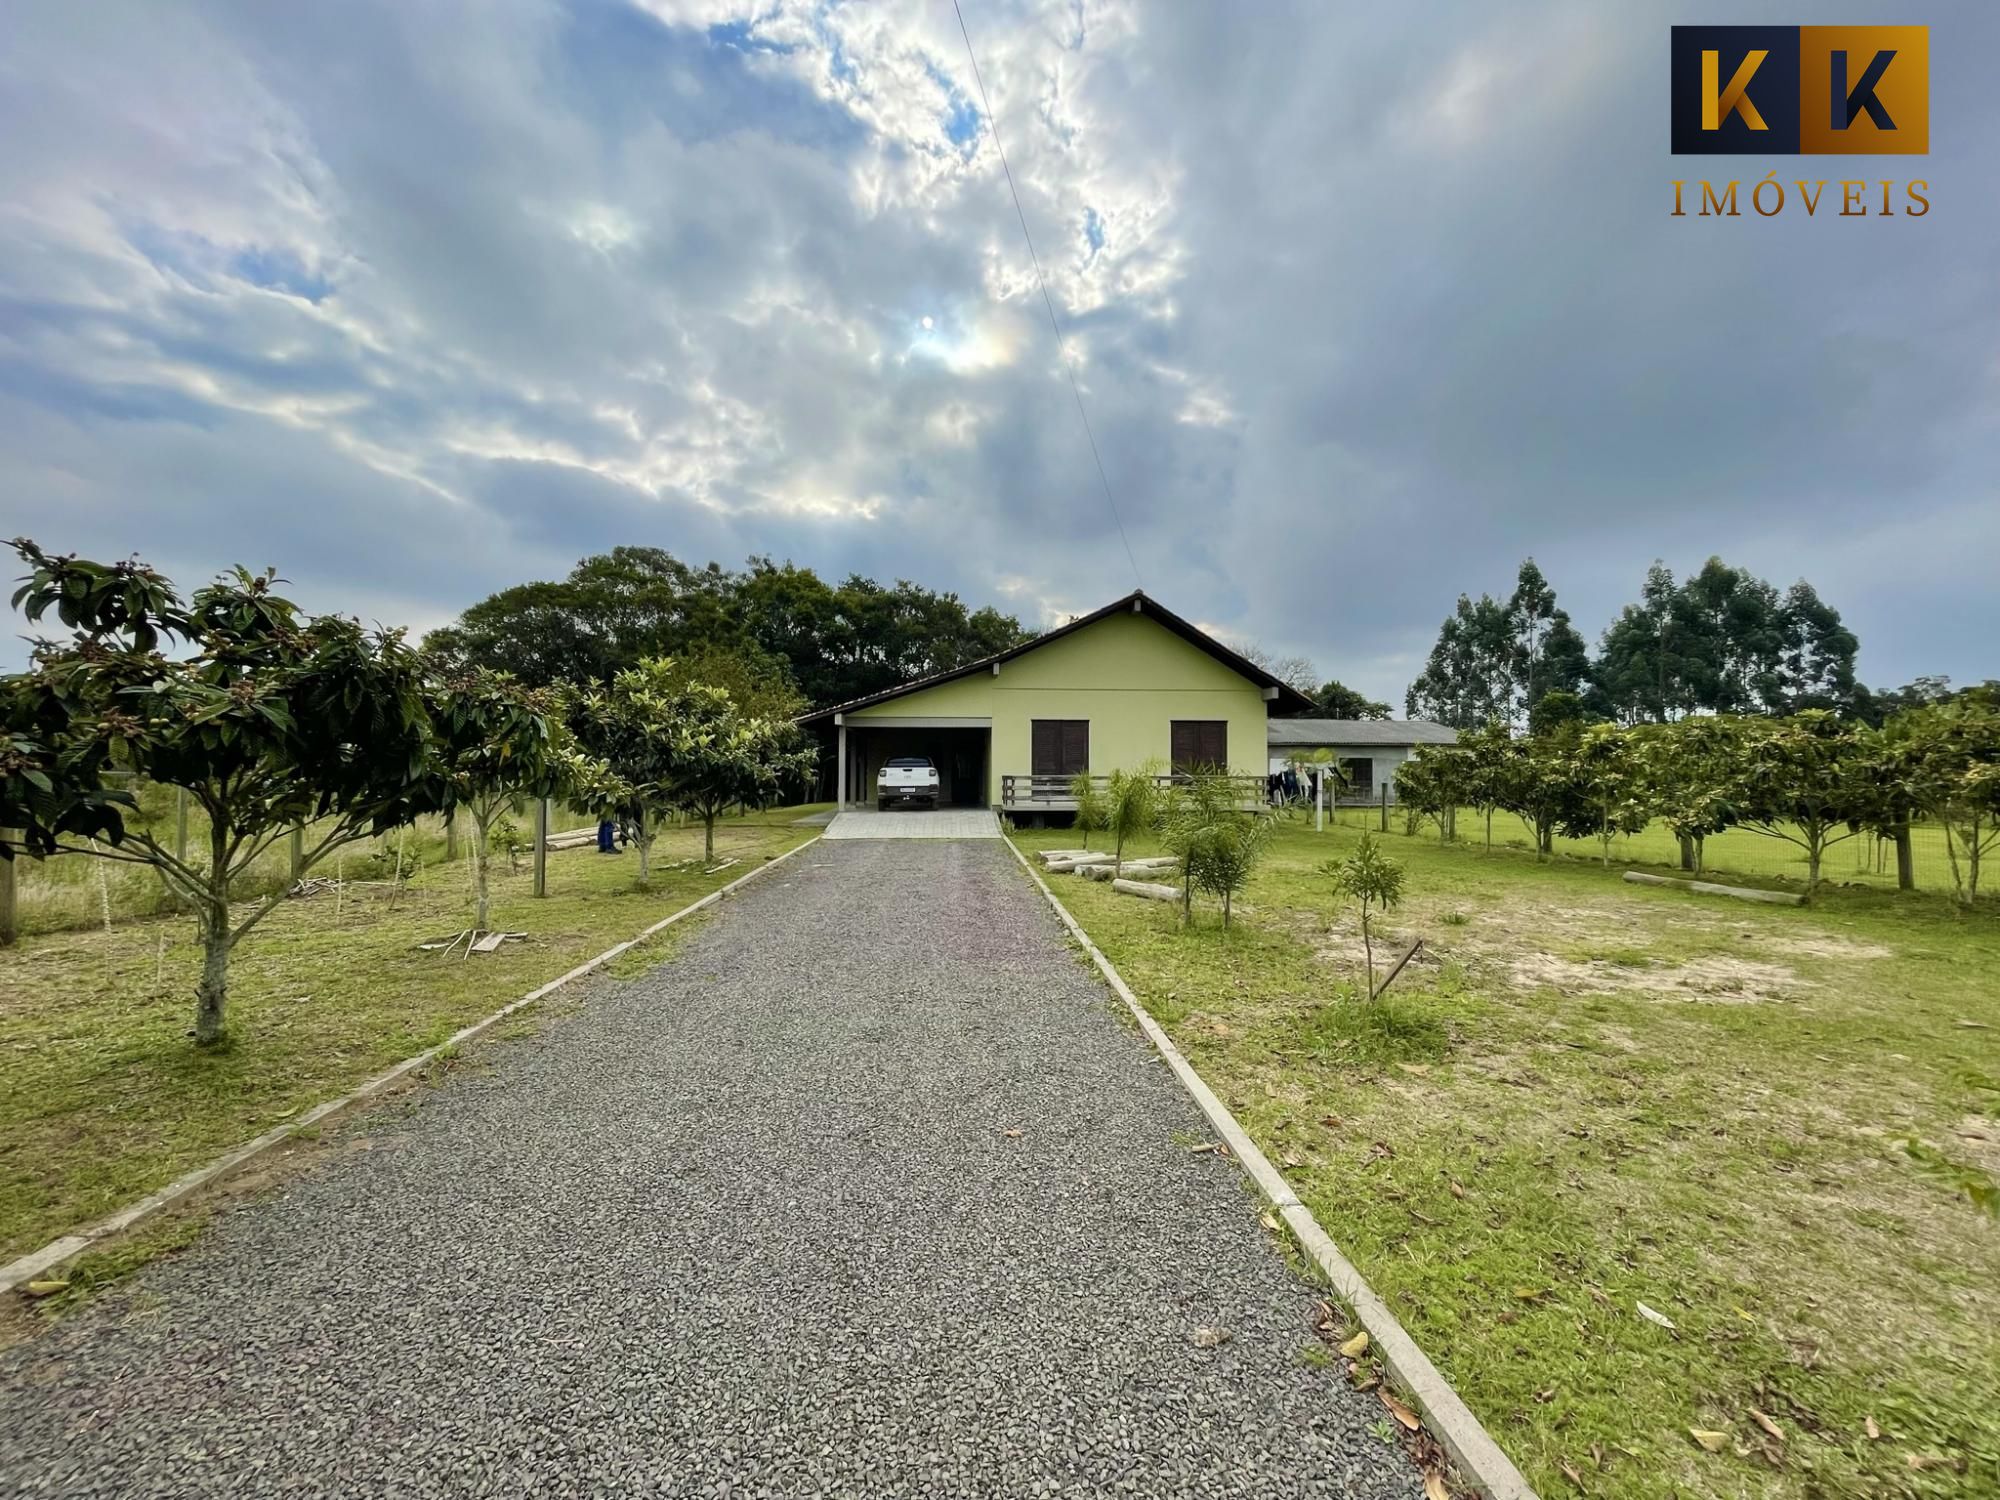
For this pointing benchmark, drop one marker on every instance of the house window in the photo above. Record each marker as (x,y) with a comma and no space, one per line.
(1060,747)
(1360,776)
(1200,743)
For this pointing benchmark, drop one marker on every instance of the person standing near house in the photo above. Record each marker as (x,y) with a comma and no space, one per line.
(605,830)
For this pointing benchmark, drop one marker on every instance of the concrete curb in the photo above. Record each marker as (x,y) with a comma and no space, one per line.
(1479,1459)
(32,1265)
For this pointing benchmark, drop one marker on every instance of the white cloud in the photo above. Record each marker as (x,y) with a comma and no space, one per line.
(1363,308)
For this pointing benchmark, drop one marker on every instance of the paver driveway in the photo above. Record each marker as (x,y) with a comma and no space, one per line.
(758,1223)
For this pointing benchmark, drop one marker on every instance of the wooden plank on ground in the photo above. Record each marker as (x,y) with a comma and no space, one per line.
(1710,888)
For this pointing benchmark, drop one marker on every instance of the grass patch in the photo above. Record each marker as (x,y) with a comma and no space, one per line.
(105,1099)
(1585,1095)
(1394,1029)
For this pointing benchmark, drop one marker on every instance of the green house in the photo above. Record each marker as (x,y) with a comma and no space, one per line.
(1129,685)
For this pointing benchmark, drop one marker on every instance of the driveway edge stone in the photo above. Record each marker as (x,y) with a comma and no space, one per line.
(29,1267)
(1479,1459)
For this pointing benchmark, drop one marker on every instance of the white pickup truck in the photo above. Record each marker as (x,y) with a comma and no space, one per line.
(907,781)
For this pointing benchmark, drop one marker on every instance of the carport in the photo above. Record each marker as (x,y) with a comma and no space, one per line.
(961,749)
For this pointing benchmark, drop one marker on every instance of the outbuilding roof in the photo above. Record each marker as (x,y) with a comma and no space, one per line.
(1288,700)
(1306,734)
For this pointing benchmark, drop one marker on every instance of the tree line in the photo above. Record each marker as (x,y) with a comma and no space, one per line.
(775,633)
(1812,778)
(273,722)
(1720,641)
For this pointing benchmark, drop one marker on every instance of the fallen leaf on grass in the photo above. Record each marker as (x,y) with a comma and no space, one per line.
(1207,1146)
(1331,1122)
(1211,1338)
(1457,1191)
(1292,1159)
(1654,1317)
(1357,1346)
(1400,1412)
(1713,1442)
(1268,1222)
(1420,1069)
(1571,1475)
(1874,1432)
(1767,1424)
(1532,1293)
(45,1288)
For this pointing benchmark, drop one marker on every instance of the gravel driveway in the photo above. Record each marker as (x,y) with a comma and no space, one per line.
(832,1203)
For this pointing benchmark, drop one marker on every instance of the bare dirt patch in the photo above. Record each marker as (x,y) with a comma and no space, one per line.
(1822,945)
(1732,981)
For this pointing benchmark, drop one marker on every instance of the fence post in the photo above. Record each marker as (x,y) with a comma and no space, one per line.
(10,926)
(1319,804)
(1385,807)
(541,846)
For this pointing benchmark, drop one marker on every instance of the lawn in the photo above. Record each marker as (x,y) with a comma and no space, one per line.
(1859,860)
(103,1098)
(1586,1095)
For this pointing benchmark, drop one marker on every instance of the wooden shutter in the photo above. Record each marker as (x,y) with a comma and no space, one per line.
(1199,742)
(1075,746)
(1059,747)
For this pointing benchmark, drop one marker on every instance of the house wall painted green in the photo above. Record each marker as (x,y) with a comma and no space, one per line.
(1126,674)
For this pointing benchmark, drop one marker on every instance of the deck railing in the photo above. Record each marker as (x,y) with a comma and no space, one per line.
(1057,793)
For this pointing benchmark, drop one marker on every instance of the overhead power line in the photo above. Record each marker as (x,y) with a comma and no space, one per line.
(1062,344)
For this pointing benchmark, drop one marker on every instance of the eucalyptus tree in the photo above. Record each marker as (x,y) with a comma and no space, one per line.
(271,721)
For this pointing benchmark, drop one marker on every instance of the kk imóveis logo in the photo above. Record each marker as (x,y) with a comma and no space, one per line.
(1801,90)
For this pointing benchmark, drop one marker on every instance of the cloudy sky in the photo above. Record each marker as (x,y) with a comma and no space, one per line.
(416,300)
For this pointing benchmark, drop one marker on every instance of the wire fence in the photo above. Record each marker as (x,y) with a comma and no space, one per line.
(1860,859)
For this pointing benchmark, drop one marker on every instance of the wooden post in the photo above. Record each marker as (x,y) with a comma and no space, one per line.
(1390,978)
(541,846)
(298,854)
(1385,807)
(10,924)
(1319,804)
(181,827)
